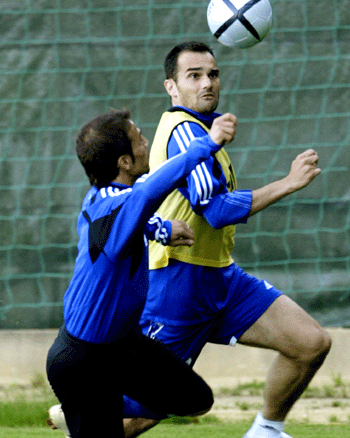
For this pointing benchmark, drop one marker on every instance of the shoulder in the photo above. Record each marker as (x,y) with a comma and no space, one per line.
(177,116)
(188,131)
(113,191)
(106,200)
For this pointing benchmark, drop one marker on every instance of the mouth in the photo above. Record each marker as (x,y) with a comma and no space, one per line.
(208,95)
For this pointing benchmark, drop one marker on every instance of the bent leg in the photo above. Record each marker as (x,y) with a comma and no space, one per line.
(84,381)
(157,378)
(134,409)
(302,345)
(187,349)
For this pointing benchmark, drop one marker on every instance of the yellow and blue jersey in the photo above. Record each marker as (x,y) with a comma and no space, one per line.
(208,200)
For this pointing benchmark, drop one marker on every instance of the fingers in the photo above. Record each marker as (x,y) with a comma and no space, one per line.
(309,157)
(228,117)
(304,168)
(181,234)
(223,129)
(187,234)
(183,230)
(229,126)
(227,121)
(317,171)
(182,242)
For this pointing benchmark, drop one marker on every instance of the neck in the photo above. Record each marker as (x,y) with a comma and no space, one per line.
(125,179)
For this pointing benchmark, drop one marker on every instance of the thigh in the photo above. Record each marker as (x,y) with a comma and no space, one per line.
(248,299)
(91,402)
(159,379)
(187,341)
(89,392)
(284,327)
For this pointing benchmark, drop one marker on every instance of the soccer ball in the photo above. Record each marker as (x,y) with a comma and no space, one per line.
(239,23)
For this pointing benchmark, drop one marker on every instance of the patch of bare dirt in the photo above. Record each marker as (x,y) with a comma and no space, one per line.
(306,410)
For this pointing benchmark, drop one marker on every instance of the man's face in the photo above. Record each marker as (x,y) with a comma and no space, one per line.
(139,146)
(197,84)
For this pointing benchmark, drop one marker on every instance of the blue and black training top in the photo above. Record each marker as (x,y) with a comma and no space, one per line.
(108,290)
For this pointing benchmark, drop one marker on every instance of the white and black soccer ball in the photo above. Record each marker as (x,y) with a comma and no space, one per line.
(239,23)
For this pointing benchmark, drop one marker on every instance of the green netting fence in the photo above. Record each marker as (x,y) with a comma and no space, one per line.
(62,62)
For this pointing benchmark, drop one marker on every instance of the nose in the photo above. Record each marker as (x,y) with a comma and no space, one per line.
(206,82)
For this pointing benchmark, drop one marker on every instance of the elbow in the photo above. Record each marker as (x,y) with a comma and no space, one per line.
(215,222)
(215,219)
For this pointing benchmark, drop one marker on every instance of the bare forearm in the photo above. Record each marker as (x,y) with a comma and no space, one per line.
(303,170)
(270,194)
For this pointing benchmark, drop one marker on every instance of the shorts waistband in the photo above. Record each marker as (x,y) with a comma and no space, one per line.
(72,340)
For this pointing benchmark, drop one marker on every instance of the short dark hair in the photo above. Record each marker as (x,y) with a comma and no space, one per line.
(101,142)
(170,63)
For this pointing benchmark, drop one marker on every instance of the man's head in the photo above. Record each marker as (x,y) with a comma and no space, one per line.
(110,144)
(192,77)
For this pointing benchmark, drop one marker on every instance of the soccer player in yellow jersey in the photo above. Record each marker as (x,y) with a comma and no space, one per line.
(197,294)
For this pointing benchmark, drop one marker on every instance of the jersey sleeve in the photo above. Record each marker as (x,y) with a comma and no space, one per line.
(207,177)
(122,215)
(205,187)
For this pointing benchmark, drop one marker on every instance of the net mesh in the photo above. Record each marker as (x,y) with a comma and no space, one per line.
(62,62)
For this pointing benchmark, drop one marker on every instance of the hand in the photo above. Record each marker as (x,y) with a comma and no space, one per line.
(223,129)
(181,234)
(304,169)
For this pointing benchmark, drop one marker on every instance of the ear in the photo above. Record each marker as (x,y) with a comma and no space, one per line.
(171,88)
(125,162)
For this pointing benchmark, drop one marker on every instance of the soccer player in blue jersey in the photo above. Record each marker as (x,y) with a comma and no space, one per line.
(100,353)
(198,294)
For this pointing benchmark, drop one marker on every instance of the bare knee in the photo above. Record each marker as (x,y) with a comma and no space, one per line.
(308,342)
(324,344)
(315,347)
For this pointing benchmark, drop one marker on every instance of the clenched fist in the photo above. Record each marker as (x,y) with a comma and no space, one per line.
(223,129)
(304,169)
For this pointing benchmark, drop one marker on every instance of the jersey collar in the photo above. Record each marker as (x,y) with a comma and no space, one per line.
(207,119)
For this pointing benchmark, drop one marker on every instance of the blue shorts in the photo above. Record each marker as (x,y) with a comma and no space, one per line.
(189,305)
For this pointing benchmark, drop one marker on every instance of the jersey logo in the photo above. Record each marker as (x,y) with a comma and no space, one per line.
(267,285)
(99,231)
(154,329)
(113,191)
(265,426)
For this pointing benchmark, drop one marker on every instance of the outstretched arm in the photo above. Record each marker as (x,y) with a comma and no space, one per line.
(303,170)
(149,191)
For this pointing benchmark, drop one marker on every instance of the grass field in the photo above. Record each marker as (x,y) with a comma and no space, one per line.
(216,430)
(23,414)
